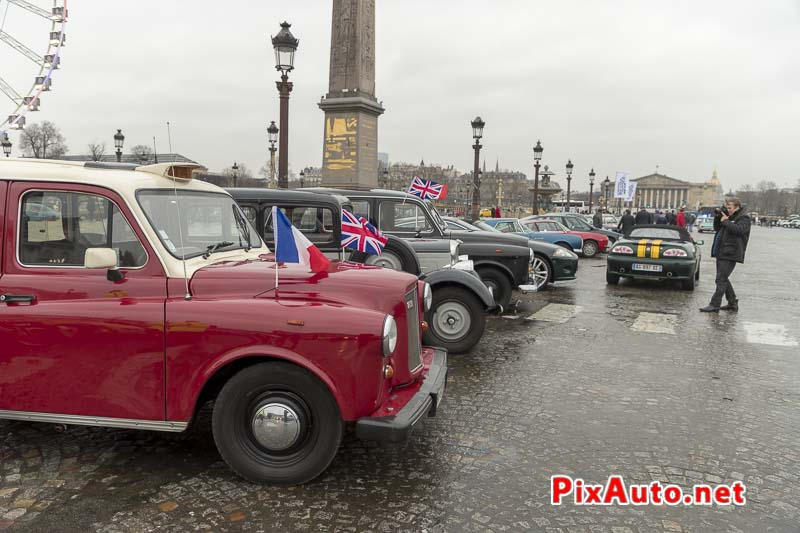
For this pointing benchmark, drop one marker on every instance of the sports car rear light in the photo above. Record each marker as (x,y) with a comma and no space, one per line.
(622,250)
(674,252)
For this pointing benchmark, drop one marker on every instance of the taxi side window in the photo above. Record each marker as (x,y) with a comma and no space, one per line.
(403,217)
(250,213)
(57,227)
(316,223)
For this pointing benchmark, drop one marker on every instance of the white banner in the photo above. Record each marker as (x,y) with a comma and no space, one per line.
(631,191)
(621,185)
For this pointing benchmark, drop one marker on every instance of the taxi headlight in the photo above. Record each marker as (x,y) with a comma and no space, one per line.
(389,335)
(427,297)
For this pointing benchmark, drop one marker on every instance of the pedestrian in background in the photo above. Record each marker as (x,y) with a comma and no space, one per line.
(661,217)
(597,219)
(681,218)
(690,220)
(643,217)
(626,223)
(732,225)
(672,219)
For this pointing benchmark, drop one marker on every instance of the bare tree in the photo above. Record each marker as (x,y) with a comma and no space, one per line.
(42,141)
(97,150)
(142,152)
(244,176)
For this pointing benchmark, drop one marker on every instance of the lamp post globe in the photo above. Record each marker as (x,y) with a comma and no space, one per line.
(477,133)
(272,132)
(6,145)
(285,45)
(119,140)
(591,188)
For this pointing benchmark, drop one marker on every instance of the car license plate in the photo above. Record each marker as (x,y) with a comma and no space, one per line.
(647,268)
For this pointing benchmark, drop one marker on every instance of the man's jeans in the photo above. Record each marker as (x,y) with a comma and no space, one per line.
(724,287)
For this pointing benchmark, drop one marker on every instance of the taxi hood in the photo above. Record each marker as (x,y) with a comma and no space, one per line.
(343,283)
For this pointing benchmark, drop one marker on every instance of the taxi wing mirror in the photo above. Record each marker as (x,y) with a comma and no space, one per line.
(103,258)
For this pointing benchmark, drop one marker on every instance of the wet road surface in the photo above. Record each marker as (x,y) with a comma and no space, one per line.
(585,380)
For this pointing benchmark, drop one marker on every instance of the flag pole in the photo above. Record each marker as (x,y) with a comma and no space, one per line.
(275,251)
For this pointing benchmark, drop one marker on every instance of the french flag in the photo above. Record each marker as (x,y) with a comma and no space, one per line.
(291,246)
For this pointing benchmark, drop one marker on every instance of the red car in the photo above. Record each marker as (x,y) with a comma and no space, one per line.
(593,243)
(147,295)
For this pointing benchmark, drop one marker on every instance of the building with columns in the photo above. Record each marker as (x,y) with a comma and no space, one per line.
(659,191)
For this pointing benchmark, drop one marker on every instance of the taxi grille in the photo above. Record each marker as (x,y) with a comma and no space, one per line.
(414,344)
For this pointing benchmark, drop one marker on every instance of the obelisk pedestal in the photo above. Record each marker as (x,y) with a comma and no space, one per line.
(350,143)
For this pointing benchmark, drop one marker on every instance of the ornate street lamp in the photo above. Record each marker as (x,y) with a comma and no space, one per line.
(477,133)
(591,188)
(119,140)
(272,136)
(385,179)
(569,181)
(606,190)
(235,169)
(302,179)
(537,158)
(6,145)
(285,45)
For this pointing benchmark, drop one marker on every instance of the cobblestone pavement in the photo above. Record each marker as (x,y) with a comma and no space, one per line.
(586,380)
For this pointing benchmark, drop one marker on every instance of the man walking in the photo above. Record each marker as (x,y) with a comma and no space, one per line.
(626,223)
(732,225)
(643,217)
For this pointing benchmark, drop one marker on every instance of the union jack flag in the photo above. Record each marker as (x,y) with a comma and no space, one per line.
(359,234)
(427,189)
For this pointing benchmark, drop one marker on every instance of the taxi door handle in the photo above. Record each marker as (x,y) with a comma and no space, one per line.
(8,298)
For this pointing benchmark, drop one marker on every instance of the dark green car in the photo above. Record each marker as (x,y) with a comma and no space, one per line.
(655,252)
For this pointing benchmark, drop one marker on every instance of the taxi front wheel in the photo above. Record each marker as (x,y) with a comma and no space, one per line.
(276,423)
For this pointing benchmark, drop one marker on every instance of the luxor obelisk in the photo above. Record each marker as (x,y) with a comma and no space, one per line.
(350,144)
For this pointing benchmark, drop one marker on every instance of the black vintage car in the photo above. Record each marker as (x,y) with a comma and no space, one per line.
(655,252)
(502,263)
(457,317)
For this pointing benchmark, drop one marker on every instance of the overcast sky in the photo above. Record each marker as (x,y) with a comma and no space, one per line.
(618,85)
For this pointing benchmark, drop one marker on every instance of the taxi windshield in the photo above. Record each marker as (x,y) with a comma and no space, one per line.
(197,223)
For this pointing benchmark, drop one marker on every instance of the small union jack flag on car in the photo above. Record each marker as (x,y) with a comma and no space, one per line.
(359,234)
(427,189)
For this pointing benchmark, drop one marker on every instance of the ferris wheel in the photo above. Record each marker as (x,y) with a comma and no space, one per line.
(26,64)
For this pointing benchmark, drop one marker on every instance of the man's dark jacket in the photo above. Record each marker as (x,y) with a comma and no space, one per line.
(597,220)
(643,217)
(626,223)
(730,242)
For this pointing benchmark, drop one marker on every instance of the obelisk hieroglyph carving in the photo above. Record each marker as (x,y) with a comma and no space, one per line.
(350,143)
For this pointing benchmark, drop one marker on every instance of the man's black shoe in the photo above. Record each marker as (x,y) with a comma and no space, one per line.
(730,306)
(709,309)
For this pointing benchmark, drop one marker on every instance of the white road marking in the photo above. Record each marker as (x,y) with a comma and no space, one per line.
(772,334)
(654,323)
(558,313)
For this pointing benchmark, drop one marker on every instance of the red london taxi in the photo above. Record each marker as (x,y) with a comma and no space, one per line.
(132,296)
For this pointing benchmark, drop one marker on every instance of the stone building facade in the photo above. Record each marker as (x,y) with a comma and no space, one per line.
(659,191)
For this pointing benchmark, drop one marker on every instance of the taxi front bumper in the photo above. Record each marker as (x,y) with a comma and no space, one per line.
(410,405)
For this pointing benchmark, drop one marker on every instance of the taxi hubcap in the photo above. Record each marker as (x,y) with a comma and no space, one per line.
(276,426)
(451,320)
